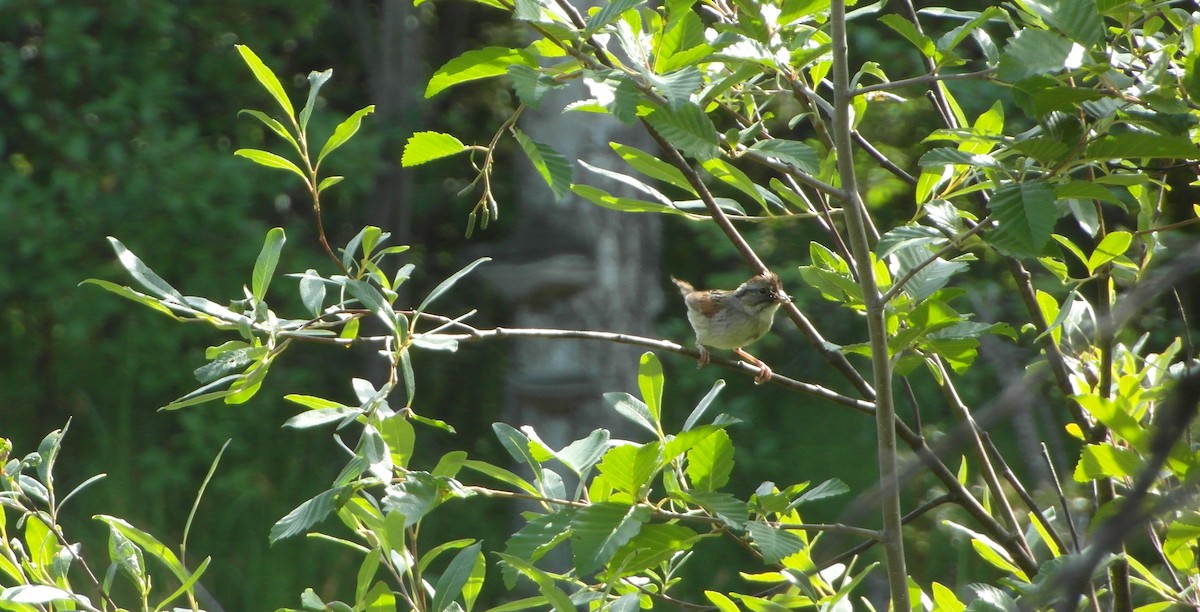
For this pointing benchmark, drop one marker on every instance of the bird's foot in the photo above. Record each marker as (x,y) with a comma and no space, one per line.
(703,356)
(764,371)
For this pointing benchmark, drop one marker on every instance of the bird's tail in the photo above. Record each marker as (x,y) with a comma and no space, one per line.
(684,286)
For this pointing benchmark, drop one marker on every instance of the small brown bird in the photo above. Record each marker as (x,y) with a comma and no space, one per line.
(732,319)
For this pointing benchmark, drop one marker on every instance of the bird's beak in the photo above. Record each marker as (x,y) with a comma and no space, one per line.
(783,298)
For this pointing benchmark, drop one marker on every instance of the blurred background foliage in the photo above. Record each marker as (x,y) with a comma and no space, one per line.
(120,118)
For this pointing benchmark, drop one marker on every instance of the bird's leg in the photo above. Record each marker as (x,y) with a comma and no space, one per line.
(764,372)
(703,356)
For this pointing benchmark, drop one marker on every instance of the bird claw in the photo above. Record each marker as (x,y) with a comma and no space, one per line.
(764,374)
(703,357)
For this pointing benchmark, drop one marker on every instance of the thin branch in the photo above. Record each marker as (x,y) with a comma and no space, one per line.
(954,245)
(1062,501)
(1028,500)
(908,518)
(918,80)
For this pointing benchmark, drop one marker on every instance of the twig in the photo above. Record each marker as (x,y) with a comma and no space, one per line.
(918,80)
(1023,493)
(1062,500)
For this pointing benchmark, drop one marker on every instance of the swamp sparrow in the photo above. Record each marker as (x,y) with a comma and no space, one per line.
(733,319)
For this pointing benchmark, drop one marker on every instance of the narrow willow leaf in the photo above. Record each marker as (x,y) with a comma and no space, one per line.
(267,78)
(601,197)
(553,167)
(142,273)
(905,28)
(445,285)
(450,584)
(652,166)
(729,174)
(147,543)
(344,131)
(328,182)
(271,160)
(264,266)
(306,515)
(274,125)
(702,407)
(477,64)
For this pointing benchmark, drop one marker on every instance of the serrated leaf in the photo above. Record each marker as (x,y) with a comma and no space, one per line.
(267,78)
(477,64)
(1078,19)
(270,160)
(775,544)
(630,468)
(344,131)
(710,462)
(1098,461)
(427,146)
(553,167)
(1142,145)
(1033,52)
(600,529)
(1026,214)
(530,84)
(731,510)
(678,87)
(264,266)
(688,129)
(607,14)
(791,152)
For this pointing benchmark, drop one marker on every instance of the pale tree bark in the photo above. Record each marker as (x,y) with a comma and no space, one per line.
(575,265)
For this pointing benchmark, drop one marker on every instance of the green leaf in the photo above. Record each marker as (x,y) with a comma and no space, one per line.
(554,168)
(632,409)
(630,468)
(791,152)
(688,129)
(1098,461)
(316,80)
(477,64)
(775,544)
(531,85)
(344,131)
(607,14)
(1078,19)
(552,594)
(653,545)
(267,78)
(143,274)
(729,174)
(264,266)
(603,198)
(1026,215)
(829,488)
(147,543)
(581,455)
(600,529)
(450,584)
(373,300)
(271,160)
(274,125)
(905,28)
(702,407)
(650,382)
(1142,145)
(306,515)
(652,166)
(447,284)
(328,182)
(1033,52)
(678,86)
(710,462)
(731,510)
(317,418)
(1182,535)
(1113,246)
(414,497)
(1115,416)
(946,156)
